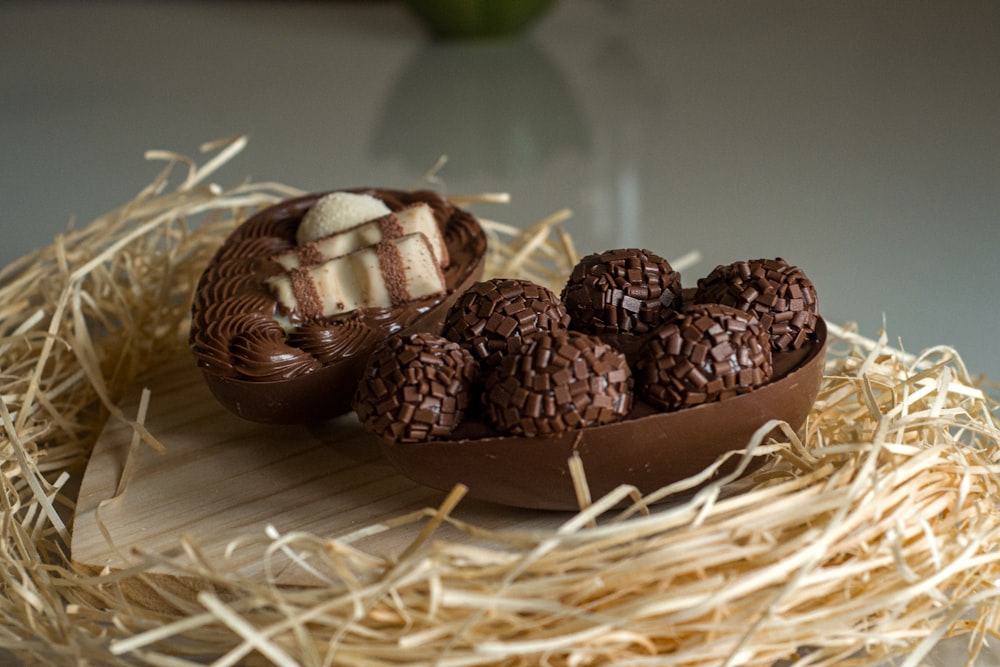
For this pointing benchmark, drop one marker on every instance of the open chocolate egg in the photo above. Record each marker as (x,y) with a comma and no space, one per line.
(649,449)
(269,363)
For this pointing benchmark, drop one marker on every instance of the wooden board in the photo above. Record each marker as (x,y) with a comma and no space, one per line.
(222,477)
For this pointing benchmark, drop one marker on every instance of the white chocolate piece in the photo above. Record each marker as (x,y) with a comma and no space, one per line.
(386,274)
(337,212)
(418,218)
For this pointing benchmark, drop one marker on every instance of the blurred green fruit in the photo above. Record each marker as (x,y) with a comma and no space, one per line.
(451,19)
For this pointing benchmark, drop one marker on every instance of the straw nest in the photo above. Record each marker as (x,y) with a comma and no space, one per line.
(875,528)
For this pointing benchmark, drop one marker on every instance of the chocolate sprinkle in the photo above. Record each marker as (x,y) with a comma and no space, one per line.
(621,291)
(779,294)
(393,273)
(415,388)
(709,353)
(390,226)
(310,303)
(559,380)
(496,317)
(309,254)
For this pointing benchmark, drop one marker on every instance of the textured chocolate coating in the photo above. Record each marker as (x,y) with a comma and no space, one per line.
(496,317)
(415,388)
(710,353)
(621,291)
(779,294)
(267,370)
(558,381)
(649,449)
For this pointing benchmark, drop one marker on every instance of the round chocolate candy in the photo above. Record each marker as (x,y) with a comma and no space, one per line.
(415,388)
(777,293)
(709,353)
(621,291)
(495,317)
(558,381)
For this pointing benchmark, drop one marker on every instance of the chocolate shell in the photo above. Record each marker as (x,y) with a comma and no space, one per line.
(266,372)
(649,449)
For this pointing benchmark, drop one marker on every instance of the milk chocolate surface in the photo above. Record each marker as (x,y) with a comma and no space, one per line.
(272,366)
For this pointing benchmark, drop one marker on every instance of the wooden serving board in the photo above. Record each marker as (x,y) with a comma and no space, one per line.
(223,478)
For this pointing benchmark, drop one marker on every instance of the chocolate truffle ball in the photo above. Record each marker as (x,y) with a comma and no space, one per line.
(558,381)
(621,291)
(709,353)
(415,388)
(780,295)
(495,317)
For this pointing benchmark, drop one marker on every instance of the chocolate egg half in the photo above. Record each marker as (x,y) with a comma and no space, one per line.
(649,449)
(267,362)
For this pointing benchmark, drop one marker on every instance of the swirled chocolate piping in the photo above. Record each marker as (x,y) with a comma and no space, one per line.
(261,353)
(339,339)
(280,223)
(222,286)
(211,346)
(253,248)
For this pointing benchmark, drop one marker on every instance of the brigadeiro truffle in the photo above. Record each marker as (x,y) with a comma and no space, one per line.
(558,381)
(779,294)
(709,353)
(621,291)
(495,317)
(415,388)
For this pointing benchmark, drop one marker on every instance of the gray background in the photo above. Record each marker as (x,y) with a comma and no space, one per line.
(858,140)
